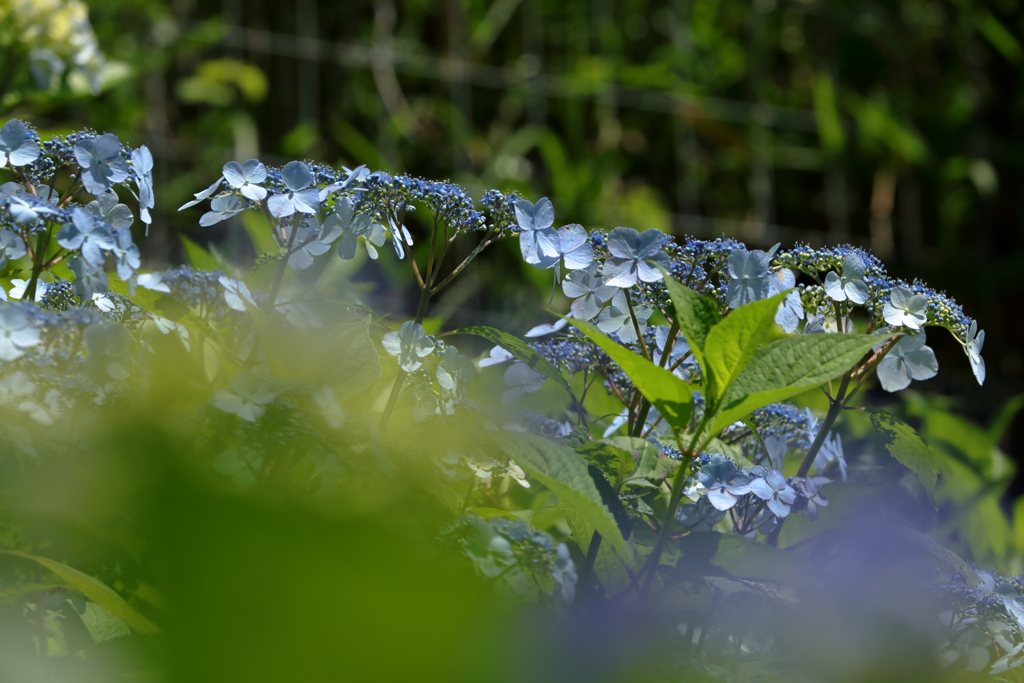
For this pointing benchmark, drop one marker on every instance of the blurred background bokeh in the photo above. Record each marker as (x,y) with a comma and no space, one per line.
(891,125)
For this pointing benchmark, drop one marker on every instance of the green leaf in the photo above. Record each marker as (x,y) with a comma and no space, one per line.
(200,258)
(614,461)
(575,483)
(904,444)
(788,367)
(520,350)
(696,314)
(669,394)
(649,463)
(731,343)
(95,590)
(103,625)
(711,553)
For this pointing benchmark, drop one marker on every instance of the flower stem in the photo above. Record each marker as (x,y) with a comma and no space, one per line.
(279,276)
(396,388)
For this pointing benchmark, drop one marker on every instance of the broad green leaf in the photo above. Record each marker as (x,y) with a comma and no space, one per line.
(731,343)
(669,394)
(788,367)
(617,462)
(610,571)
(103,625)
(711,553)
(95,590)
(904,444)
(518,348)
(696,314)
(650,464)
(575,482)
(200,258)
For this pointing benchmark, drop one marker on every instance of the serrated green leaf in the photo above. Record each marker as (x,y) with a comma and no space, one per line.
(731,343)
(103,625)
(788,367)
(696,314)
(575,482)
(904,444)
(95,590)
(519,349)
(669,394)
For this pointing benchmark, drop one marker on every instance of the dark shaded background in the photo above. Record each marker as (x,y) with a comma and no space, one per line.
(890,125)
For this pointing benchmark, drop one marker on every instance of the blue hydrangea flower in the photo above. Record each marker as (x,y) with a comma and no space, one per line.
(750,278)
(236,293)
(615,319)
(248,397)
(126,253)
(17,146)
(850,284)
(497,356)
(790,313)
(222,208)
(247,178)
(454,372)
(204,195)
(523,379)
(538,241)
(700,516)
(546,329)
(574,247)
(101,162)
(635,256)
(976,340)
(299,197)
(26,212)
(107,209)
(350,227)
(679,347)
(908,360)
(89,279)
(153,281)
(410,343)
(309,243)
(775,447)
(905,308)
(808,495)
(724,481)
(774,489)
(831,451)
(589,291)
(86,233)
(17,333)
(12,247)
(142,162)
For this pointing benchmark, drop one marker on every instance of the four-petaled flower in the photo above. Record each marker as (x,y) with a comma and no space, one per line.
(724,481)
(16,333)
(589,291)
(410,343)
(88,234)
(517,473)
(11,246)
(774,489)
(25,212)
(236,293)
(975,340)
(246,178)
(523,379)
(574,246)
(142,162)
(222,208)
(700,516)
(106,208)
(750,278)
(615,319)
(850,284)
(807,490)
(17,147)
(350,226)
(497,356)
(906,308)
(309,242)
(454,371)
(538,241)
(299,197)
(635,256)
(101,162)
(248,398)
(908,360)
(831,450)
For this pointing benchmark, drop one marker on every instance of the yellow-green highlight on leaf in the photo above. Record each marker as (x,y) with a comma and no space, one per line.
(95,590)
(788,367)
(732,342)
(696,314)
(904,444)
(669,394)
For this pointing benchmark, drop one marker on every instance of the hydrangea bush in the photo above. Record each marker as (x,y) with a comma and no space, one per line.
(679,496)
